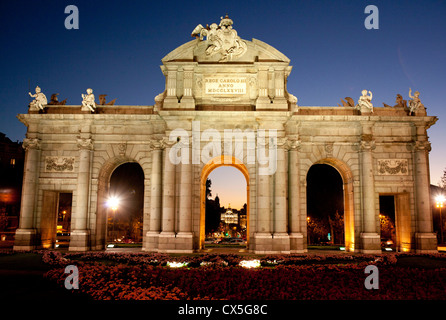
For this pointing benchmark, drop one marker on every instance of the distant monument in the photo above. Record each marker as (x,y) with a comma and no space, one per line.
(225,102)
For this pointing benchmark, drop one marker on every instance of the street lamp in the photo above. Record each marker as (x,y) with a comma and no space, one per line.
(439,203)
(113,203)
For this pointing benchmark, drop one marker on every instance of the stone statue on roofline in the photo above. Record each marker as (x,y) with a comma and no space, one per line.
(55,101)
(415,103)
(39,101)
(400,103)
(365,102)
(348,103)
(103,102)
(88,101)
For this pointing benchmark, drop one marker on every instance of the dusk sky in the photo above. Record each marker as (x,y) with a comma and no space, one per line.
(118,48)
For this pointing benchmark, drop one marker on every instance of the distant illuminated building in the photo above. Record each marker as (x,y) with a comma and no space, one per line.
(229,217)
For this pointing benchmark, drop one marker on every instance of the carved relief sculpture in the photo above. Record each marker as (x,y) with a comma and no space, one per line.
(59,164)
(393,167)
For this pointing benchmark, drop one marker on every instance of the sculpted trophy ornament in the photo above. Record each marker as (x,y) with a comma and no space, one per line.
(365,101)
(39,101)
(88,101)
(222,39)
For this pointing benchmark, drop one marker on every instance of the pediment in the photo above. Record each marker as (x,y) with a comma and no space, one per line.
(198,51)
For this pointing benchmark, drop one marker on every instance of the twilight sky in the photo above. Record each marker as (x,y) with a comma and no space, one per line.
(118,48)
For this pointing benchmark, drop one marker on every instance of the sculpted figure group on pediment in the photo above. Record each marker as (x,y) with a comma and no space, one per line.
(222,39)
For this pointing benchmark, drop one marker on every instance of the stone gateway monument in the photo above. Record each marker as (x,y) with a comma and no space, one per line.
(226,104)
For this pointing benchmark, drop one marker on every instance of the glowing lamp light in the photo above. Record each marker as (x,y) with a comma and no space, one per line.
(113,203)
(440,201)
(250,264)
(176,264)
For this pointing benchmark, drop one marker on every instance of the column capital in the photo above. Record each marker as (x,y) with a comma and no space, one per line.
(85,143)
(421,146)
(31,143)
(367,145)
(293,144)
(156,144)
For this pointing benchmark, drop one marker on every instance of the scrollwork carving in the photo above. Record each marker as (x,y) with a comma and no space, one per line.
(393,167)
(59,164)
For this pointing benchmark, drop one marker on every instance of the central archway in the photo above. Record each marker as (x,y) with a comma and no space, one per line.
(216,162)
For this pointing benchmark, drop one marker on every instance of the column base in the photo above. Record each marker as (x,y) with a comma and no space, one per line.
(79,240)
(263,243)
(266,243)
(297,243)
(281,243)
(426,242)
(169,242)
(151,241)
(187,103)
(370,243)
(171,103)
(25,239)
(184,242)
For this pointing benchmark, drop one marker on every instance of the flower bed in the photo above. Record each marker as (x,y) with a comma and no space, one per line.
(147,276)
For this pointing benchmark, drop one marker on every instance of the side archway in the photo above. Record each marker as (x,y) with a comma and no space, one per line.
(348,193)
(216,162)
(104,178)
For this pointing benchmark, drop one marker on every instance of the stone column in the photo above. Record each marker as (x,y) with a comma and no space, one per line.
(425,239)
(155,197)
(184,237)
(25,236)
(370,238)
(171,100)
(167,235)
(279,89)
(296,236)
(263,101)
(79,236)
(263,235)
(281,240)
(187,101)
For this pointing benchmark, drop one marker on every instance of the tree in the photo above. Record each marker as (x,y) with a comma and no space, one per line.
(208,188)
(387,227)
(212,213)
(442,183)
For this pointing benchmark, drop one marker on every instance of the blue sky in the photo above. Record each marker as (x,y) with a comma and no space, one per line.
(119,46)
